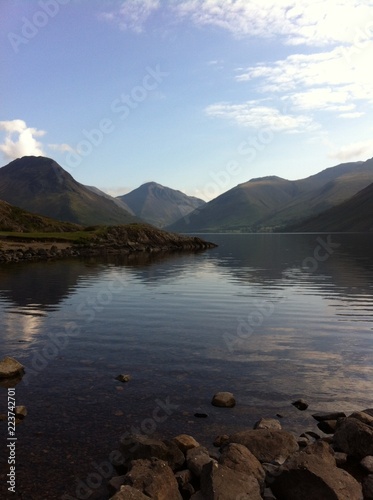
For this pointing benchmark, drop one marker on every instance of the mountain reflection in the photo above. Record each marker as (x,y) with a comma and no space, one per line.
(282,260)
(267,260)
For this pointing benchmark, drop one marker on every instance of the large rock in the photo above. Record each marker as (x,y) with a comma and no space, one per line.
(237,457)
(334,415)
(368,487)
(10,367)
(266,444)
(223,400)
(129,493)
(154,478)
(363,417)
(138,446)
(268,423)
(185,442)
(354,438)
(197,458)
(219,482)
(312,475)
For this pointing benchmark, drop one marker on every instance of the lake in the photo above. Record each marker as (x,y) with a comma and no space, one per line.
(269,317)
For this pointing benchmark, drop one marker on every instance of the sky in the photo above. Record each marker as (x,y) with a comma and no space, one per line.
(197,95)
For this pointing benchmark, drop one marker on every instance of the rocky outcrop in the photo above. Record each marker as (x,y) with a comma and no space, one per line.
(126,239)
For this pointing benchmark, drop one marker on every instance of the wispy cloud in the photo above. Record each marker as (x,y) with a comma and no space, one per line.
(20,140)
(132,15)
(297,22)
(256,115)
(353,151)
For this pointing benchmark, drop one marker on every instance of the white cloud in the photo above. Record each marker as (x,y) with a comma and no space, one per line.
(310,22)
(354,151)
(132,14)
(20,140)
(256,115)
(337,81)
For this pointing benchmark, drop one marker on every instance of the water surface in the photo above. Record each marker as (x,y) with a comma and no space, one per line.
(268,317)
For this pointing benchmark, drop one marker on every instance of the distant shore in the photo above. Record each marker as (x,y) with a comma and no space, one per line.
(113,240)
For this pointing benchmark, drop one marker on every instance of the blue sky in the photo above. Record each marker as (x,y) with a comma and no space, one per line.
(197,95)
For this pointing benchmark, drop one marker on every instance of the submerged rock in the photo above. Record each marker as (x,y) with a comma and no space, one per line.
(123,377)
(301,404)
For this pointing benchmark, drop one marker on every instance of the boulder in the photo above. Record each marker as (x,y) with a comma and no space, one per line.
(183,477)
(334,415)
(354,438)
(368,487)
(327,426)
(312,474)
(223,400)
(197,458)
(185,442)
(10,367)
(266,444)
(268,423)
(219,482)
(237,457)
(367,463)
(363,417)
(139,446)
(154,478)
(129,493)
(301,404)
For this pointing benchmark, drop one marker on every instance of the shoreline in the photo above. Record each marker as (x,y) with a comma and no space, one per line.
(116,240)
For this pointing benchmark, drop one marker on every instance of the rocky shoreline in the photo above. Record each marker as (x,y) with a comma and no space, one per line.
(116,240)
(263,463)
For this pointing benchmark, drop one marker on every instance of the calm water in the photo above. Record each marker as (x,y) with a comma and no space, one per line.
(268,317)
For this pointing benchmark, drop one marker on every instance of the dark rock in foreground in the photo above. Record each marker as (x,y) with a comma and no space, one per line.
(261,463)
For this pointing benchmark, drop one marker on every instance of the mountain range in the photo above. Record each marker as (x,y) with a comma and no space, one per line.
(275,204)
(337,199)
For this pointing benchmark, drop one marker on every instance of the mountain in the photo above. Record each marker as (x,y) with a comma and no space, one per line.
(15,219)
(160,205)
(353,215)
(40,185)
(271,203)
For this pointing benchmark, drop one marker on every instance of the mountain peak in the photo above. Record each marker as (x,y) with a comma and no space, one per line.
(160,205)
(40,185)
